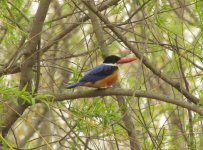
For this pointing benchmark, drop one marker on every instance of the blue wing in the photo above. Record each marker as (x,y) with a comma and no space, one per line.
(98,73)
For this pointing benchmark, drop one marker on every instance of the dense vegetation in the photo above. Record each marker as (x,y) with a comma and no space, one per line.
(46,45)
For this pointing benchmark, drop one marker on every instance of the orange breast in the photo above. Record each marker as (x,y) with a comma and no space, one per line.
(106,82)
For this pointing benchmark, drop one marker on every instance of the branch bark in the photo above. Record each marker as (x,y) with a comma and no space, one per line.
(127,92)
(99,33)
(71,27)
(129,124)
(27,64)
(126,116)
(15,68)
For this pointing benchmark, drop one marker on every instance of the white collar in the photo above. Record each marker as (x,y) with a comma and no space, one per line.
(108,64)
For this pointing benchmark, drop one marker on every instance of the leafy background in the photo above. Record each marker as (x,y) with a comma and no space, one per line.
(167,32)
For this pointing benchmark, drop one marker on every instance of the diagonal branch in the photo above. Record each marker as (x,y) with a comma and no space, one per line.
(71,27)
(15,68)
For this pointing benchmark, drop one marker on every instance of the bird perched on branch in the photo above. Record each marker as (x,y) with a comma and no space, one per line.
(104,75)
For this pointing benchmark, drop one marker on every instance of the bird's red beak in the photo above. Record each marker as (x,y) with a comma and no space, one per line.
(125,60)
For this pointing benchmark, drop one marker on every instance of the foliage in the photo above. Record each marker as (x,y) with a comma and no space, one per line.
(168,33)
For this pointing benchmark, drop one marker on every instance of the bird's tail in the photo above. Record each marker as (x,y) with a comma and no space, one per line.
(74,85)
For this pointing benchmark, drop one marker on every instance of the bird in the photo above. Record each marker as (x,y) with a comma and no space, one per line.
(103,76)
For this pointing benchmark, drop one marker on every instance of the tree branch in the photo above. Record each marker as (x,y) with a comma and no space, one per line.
(27,64)
(97,28)
(16,67)
(127,92)
(123,107)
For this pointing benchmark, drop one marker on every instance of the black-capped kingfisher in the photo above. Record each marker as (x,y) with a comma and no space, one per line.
(104,75)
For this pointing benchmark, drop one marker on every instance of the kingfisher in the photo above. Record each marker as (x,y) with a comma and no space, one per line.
(104,75)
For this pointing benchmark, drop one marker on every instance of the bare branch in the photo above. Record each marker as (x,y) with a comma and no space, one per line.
(127,92)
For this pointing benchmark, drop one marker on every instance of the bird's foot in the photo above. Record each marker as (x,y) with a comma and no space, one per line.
(106,87)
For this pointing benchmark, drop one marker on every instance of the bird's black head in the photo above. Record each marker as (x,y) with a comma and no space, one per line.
(112,59)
